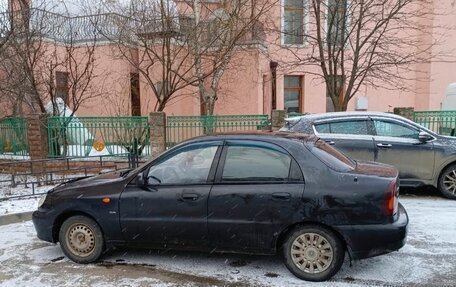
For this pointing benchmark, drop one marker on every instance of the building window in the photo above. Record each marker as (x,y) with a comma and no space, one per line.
(293,22)
(293,94)
(337,22)
(186,25)
(62,89)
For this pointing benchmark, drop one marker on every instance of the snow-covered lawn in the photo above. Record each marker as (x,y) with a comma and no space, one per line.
(18,205)
(428,259)
(24,184)
(7,191)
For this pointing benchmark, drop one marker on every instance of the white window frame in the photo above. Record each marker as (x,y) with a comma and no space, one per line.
(305,24)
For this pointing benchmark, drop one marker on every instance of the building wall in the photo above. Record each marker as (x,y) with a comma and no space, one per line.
(247,84)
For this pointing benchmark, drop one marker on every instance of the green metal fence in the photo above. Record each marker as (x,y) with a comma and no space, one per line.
(180,128)
(89,136)
(441,122)
(13,136)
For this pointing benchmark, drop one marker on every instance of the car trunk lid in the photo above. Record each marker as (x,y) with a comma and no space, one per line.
(375,168)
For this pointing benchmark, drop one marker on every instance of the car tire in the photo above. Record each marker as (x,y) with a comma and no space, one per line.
(313,253)
(447,182)
(81,239)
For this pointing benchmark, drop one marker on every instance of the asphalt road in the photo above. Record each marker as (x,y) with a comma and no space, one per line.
(428,259)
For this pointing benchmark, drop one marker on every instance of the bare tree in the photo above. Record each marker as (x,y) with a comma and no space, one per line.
(364,42)
(43,49)
(173,51)
(214,36)
(147,37)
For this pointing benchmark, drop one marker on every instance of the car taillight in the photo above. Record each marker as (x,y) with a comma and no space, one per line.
(391,202)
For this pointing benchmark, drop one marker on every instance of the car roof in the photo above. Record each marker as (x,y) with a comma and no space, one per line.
(322,116)
(257,135)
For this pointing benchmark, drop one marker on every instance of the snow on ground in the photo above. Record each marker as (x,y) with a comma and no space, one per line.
(428,259)
(19,205)
(6,190)
(25,186)
(9,156)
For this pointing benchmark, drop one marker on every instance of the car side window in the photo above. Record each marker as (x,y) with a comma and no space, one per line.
(323,128)
(390,129)
(189,166)
(352,127)
(255,163)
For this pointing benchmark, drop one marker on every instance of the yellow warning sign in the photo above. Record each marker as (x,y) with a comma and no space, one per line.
(98,145)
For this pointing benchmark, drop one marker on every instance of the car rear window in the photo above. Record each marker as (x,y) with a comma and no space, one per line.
(332,157)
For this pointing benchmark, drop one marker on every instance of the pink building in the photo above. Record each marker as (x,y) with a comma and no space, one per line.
(259,77)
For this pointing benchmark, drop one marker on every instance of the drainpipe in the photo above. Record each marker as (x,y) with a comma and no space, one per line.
(273,65)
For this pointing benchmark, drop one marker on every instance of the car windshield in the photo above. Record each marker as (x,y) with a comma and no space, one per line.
(332,157)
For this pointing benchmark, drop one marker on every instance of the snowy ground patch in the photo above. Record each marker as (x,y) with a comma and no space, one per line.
(18,205)
(428,259)
(30,184)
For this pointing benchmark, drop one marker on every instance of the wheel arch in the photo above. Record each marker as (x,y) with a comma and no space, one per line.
(64,216)
(284,233)
(442,169)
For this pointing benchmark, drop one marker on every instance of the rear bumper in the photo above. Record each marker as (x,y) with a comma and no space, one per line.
(371,240)
(43,222)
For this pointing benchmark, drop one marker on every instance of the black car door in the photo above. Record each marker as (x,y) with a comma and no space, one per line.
(172,208)
(352,136)
(257,190)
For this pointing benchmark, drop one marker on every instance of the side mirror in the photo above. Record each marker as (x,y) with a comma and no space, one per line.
(424,137)
(142,183)
(140,179)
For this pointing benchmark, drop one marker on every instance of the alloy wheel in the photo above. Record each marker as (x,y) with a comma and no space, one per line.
(449,182)
(312,253)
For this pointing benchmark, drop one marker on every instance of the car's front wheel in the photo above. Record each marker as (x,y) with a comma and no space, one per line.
(313,253)
(81,239)
(447,182)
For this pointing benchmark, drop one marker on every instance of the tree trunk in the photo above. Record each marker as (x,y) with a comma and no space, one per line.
(210,97)
(161,106)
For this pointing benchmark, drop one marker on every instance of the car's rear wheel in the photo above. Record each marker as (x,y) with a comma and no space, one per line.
(447,182)
(313,253)
(81,239)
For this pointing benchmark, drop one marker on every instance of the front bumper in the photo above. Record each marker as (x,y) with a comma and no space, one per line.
(43,221)
(371,240)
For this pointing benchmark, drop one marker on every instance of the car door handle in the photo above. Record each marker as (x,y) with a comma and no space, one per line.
(281,195)
(330,142)
(384,145)
(190,196)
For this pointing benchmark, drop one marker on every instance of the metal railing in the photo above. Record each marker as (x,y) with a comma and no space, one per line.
(180,128)
(34,177)
(13,137)
(113,26)
(88,136)
(441,122)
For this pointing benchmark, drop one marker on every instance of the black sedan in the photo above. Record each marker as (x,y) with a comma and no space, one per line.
(248,193)
(421,156)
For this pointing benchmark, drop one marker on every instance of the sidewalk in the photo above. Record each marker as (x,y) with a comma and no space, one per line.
(15,218)
(17,210)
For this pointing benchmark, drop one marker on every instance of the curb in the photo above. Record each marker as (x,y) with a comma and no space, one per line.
(15,218)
